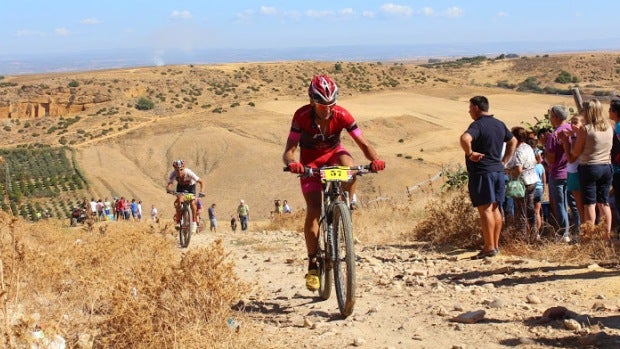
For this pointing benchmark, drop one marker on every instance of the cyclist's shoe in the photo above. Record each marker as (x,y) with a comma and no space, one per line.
(193,227)
(353,205)
(313,283)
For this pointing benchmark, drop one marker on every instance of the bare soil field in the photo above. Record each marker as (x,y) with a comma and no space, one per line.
(411,297)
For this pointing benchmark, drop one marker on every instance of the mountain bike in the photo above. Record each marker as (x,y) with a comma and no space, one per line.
(186,219)
(336,251)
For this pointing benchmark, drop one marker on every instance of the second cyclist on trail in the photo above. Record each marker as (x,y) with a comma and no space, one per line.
(316,129)
(186,182)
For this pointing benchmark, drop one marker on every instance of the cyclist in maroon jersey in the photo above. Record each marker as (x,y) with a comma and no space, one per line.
(316,129)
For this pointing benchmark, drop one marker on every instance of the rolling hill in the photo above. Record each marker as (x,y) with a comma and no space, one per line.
(230,122)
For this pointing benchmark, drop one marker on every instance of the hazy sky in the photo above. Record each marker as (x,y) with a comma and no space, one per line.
(66,26)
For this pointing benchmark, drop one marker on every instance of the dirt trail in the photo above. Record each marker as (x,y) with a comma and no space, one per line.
(407,297)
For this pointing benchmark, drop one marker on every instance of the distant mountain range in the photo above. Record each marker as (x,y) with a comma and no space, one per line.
(19,64)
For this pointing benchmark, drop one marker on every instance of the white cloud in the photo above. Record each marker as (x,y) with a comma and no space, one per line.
(61,31)
(176,14)
(294,15)
(268,10)
(347,11)
(454,12)
(319,14)
(368,14)
(91,21)
(245,15)
(501,14)
(27,32)
(427,11)
(399,10)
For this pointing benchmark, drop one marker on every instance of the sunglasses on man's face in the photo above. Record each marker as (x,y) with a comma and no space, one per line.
(324,106)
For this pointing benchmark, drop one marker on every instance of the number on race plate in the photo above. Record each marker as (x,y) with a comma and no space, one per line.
(336,174)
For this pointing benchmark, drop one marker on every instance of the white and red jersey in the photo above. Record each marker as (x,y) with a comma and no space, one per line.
(186,177)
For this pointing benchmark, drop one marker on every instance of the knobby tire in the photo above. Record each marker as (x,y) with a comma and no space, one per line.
(185,231)
(344,261)
(325,264)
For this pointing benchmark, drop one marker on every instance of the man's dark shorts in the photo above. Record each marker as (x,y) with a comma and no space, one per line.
(486,188)
(186,188)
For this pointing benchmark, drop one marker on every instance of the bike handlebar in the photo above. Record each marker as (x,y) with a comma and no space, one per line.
(310,171)
(171,192)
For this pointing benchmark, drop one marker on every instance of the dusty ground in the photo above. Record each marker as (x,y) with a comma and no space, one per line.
(407,297)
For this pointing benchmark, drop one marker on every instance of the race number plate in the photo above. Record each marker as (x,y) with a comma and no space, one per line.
(336,174)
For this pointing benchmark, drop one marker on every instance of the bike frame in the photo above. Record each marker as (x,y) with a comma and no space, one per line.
(187,217)
(336,247)
(332,194)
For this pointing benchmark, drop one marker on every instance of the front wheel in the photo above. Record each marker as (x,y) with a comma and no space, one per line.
(185,231)
(344,259)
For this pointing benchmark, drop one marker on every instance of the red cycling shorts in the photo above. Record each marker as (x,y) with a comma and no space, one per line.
(330,158)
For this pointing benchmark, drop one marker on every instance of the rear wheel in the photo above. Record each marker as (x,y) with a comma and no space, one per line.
(344,261)
(185,231)
(325,264)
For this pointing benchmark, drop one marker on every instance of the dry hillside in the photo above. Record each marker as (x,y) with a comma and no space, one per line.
(230,122)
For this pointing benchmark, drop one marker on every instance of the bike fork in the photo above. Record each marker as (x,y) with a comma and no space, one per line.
(331,243)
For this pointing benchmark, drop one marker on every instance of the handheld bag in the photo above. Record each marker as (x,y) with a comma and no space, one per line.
(515,188)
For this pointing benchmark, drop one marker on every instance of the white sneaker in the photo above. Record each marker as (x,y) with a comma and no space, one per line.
(566,238)
(193,227)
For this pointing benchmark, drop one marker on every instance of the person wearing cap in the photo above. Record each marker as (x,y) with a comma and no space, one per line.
(557,161)
(243,211)
(316,129)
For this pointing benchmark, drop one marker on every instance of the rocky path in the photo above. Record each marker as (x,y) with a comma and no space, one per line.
(412,298)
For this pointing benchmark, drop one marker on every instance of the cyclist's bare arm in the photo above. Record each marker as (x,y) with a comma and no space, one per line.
(367,149)
(289,151)
(202,185)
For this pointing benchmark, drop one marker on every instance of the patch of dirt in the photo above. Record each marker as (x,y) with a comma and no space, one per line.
(408,296)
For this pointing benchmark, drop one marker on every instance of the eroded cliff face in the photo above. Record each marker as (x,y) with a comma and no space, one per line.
(36,101)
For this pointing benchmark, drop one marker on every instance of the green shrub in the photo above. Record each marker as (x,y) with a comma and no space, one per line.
(455,178)
(73,83)
(145,103)
(506,84)
(530,84)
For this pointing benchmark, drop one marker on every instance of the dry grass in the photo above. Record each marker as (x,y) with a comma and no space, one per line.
(122,287)
(451,222)
(126,285)
(375,223)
